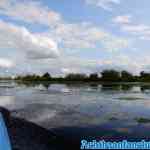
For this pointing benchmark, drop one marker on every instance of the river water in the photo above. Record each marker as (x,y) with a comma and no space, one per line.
(85,110)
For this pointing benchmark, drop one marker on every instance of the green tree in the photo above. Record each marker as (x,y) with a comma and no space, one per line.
(93,77)
(76,77)
(110,75)
(126,76)
(145,76)
(46,76)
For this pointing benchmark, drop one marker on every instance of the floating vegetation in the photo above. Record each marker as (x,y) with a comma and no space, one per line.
(123,130)
(6,86)
(130,98)
(113,118)
(143,120)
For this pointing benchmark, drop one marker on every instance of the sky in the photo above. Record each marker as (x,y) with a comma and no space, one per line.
(73,36)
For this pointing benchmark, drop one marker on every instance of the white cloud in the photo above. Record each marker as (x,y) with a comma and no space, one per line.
(19,38)
(70,36)
(105,4)
(140,28)
(115,44)
(29,11)
(68,64)
(126,19)
(6,63)
(3,2)
(123,61)
(86,36)
(70,70)
(141,31)
(79,36)
(120,62)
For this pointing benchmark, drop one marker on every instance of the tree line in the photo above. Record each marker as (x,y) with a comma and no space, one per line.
(104,76)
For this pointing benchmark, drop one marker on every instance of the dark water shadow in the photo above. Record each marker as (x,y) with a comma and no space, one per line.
(117,87)
(104,87)
(145,88)
(27,84)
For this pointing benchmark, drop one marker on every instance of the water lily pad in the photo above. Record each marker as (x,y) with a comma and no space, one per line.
(113,119)
(130,98)
(143,120)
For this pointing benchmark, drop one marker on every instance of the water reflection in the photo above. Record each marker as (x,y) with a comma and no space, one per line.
(5,101)
(127,87)
(117,108)
(145,88)
(33,84)
(103,87)
(116,87)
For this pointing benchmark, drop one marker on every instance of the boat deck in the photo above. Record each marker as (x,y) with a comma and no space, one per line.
(4,138)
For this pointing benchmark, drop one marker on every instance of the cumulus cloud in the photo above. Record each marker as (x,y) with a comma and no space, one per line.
(115,44)
(78,36)
(124,62)
(6,63)
(105,4)
(125,19)
(86,36)
(32,45)
(29,11)
(140,30)
(67,64)
(119,62)
(69,36)
(70,70)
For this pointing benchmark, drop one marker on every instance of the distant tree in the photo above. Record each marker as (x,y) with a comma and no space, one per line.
(30,77)
(76,77)
(46,76)
(110,75)
(46,85)
(145,76)
(106,76)
(93,77)
(126,76)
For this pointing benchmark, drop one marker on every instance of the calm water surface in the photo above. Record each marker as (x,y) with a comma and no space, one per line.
(106,111)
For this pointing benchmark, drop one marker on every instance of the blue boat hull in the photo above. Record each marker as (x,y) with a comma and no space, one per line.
(4,138)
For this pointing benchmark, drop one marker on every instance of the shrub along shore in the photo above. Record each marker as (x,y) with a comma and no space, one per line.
(104,76)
